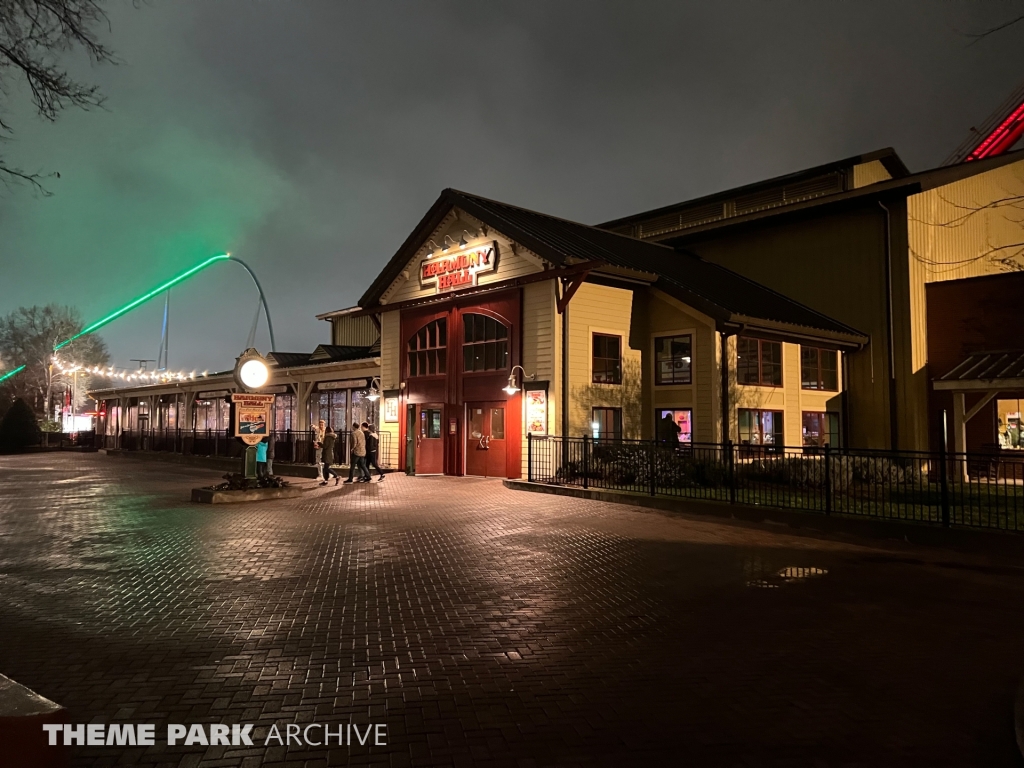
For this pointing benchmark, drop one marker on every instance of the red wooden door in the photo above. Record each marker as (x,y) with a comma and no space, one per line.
(429,440)
(486,453)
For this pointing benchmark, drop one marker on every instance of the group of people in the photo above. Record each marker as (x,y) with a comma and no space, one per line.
(363,447)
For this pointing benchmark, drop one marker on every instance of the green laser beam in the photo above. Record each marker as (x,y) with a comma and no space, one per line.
(8,375)
(128,307)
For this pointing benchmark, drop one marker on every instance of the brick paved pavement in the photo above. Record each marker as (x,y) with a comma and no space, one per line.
(493,627)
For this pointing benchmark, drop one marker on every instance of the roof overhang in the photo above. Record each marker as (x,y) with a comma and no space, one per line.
(980,385)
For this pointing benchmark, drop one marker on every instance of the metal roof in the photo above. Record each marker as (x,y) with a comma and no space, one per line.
(986,370)
(709,288)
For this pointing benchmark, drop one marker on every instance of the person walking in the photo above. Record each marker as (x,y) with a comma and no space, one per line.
(328,456)
(270,455)
(261,458)
(372,447)
(318,446)
(358,454)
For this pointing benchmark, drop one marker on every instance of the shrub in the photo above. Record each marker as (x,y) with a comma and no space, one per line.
(236,481)
(18,430)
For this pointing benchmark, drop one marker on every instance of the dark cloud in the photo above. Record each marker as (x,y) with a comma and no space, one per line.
(309,137)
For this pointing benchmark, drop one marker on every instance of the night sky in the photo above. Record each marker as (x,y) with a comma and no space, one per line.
(309,138)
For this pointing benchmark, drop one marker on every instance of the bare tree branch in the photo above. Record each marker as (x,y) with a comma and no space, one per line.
(979,36)
(33,36)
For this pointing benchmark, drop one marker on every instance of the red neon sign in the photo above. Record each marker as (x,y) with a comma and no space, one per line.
(1002,138)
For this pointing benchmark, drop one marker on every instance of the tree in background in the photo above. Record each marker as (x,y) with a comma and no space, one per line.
(18,429)
(33,35)
(28,336)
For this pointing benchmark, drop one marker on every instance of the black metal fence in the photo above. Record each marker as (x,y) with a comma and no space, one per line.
(978,490)
(289,447)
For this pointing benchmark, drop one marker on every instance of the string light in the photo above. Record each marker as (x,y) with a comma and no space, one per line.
(109,372)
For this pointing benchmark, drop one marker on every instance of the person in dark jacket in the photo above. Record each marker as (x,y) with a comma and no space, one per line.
(372,446)
(330,437)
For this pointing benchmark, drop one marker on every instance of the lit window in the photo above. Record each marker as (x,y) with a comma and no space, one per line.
(760,427)
(607,423)
(820,429)
(674,425)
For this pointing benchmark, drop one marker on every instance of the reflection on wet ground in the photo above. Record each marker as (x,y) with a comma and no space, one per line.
(484,624)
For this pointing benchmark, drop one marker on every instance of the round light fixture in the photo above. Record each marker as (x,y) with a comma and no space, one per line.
(251,370)
(254,373)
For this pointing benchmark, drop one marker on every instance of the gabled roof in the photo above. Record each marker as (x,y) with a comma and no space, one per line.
(288,359)
(336,353)
(902,186)
(887,157)
(714,290)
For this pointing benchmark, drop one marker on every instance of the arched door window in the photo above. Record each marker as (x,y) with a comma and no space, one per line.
(485,347)
(427,350)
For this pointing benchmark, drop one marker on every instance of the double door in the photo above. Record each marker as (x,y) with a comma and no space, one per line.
(486,453)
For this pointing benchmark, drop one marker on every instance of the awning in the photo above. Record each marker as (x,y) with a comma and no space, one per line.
(986,372)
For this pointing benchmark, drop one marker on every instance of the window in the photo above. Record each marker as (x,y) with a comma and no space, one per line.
(607,424)
(427,349)
(284,412)
(1009,425)
(430,423)
(672,360)
(486,344)
(819,369)
(759,362)
(820,429)
(674,425)
(760,427)
(607,360)
(332,409)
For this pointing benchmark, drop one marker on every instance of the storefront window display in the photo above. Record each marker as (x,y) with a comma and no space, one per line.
(1009,424)
(760,427)
(674,424)
(820,429)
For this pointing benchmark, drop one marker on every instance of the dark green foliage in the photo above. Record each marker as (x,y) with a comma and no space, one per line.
(18,430)
(236,481)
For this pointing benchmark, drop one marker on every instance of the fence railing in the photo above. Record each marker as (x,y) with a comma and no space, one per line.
(289,447)
(964,489)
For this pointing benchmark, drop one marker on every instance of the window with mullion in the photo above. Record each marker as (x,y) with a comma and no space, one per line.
(485,344)
(672,357)
(819,369)
(758,362)
(606,367)
(426,353)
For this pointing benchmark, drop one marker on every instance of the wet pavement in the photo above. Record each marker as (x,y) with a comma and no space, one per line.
(486,626)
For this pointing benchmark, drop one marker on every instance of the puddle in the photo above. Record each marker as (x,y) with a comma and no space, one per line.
(787,575)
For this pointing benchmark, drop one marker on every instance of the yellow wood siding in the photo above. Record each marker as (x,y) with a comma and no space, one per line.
(869,173)
(539,351)
(602,309)
(790,398)
(665,316)
(390,371)
(511,263)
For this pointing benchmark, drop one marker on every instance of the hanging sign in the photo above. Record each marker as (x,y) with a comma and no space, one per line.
(252,416)
(460,269)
